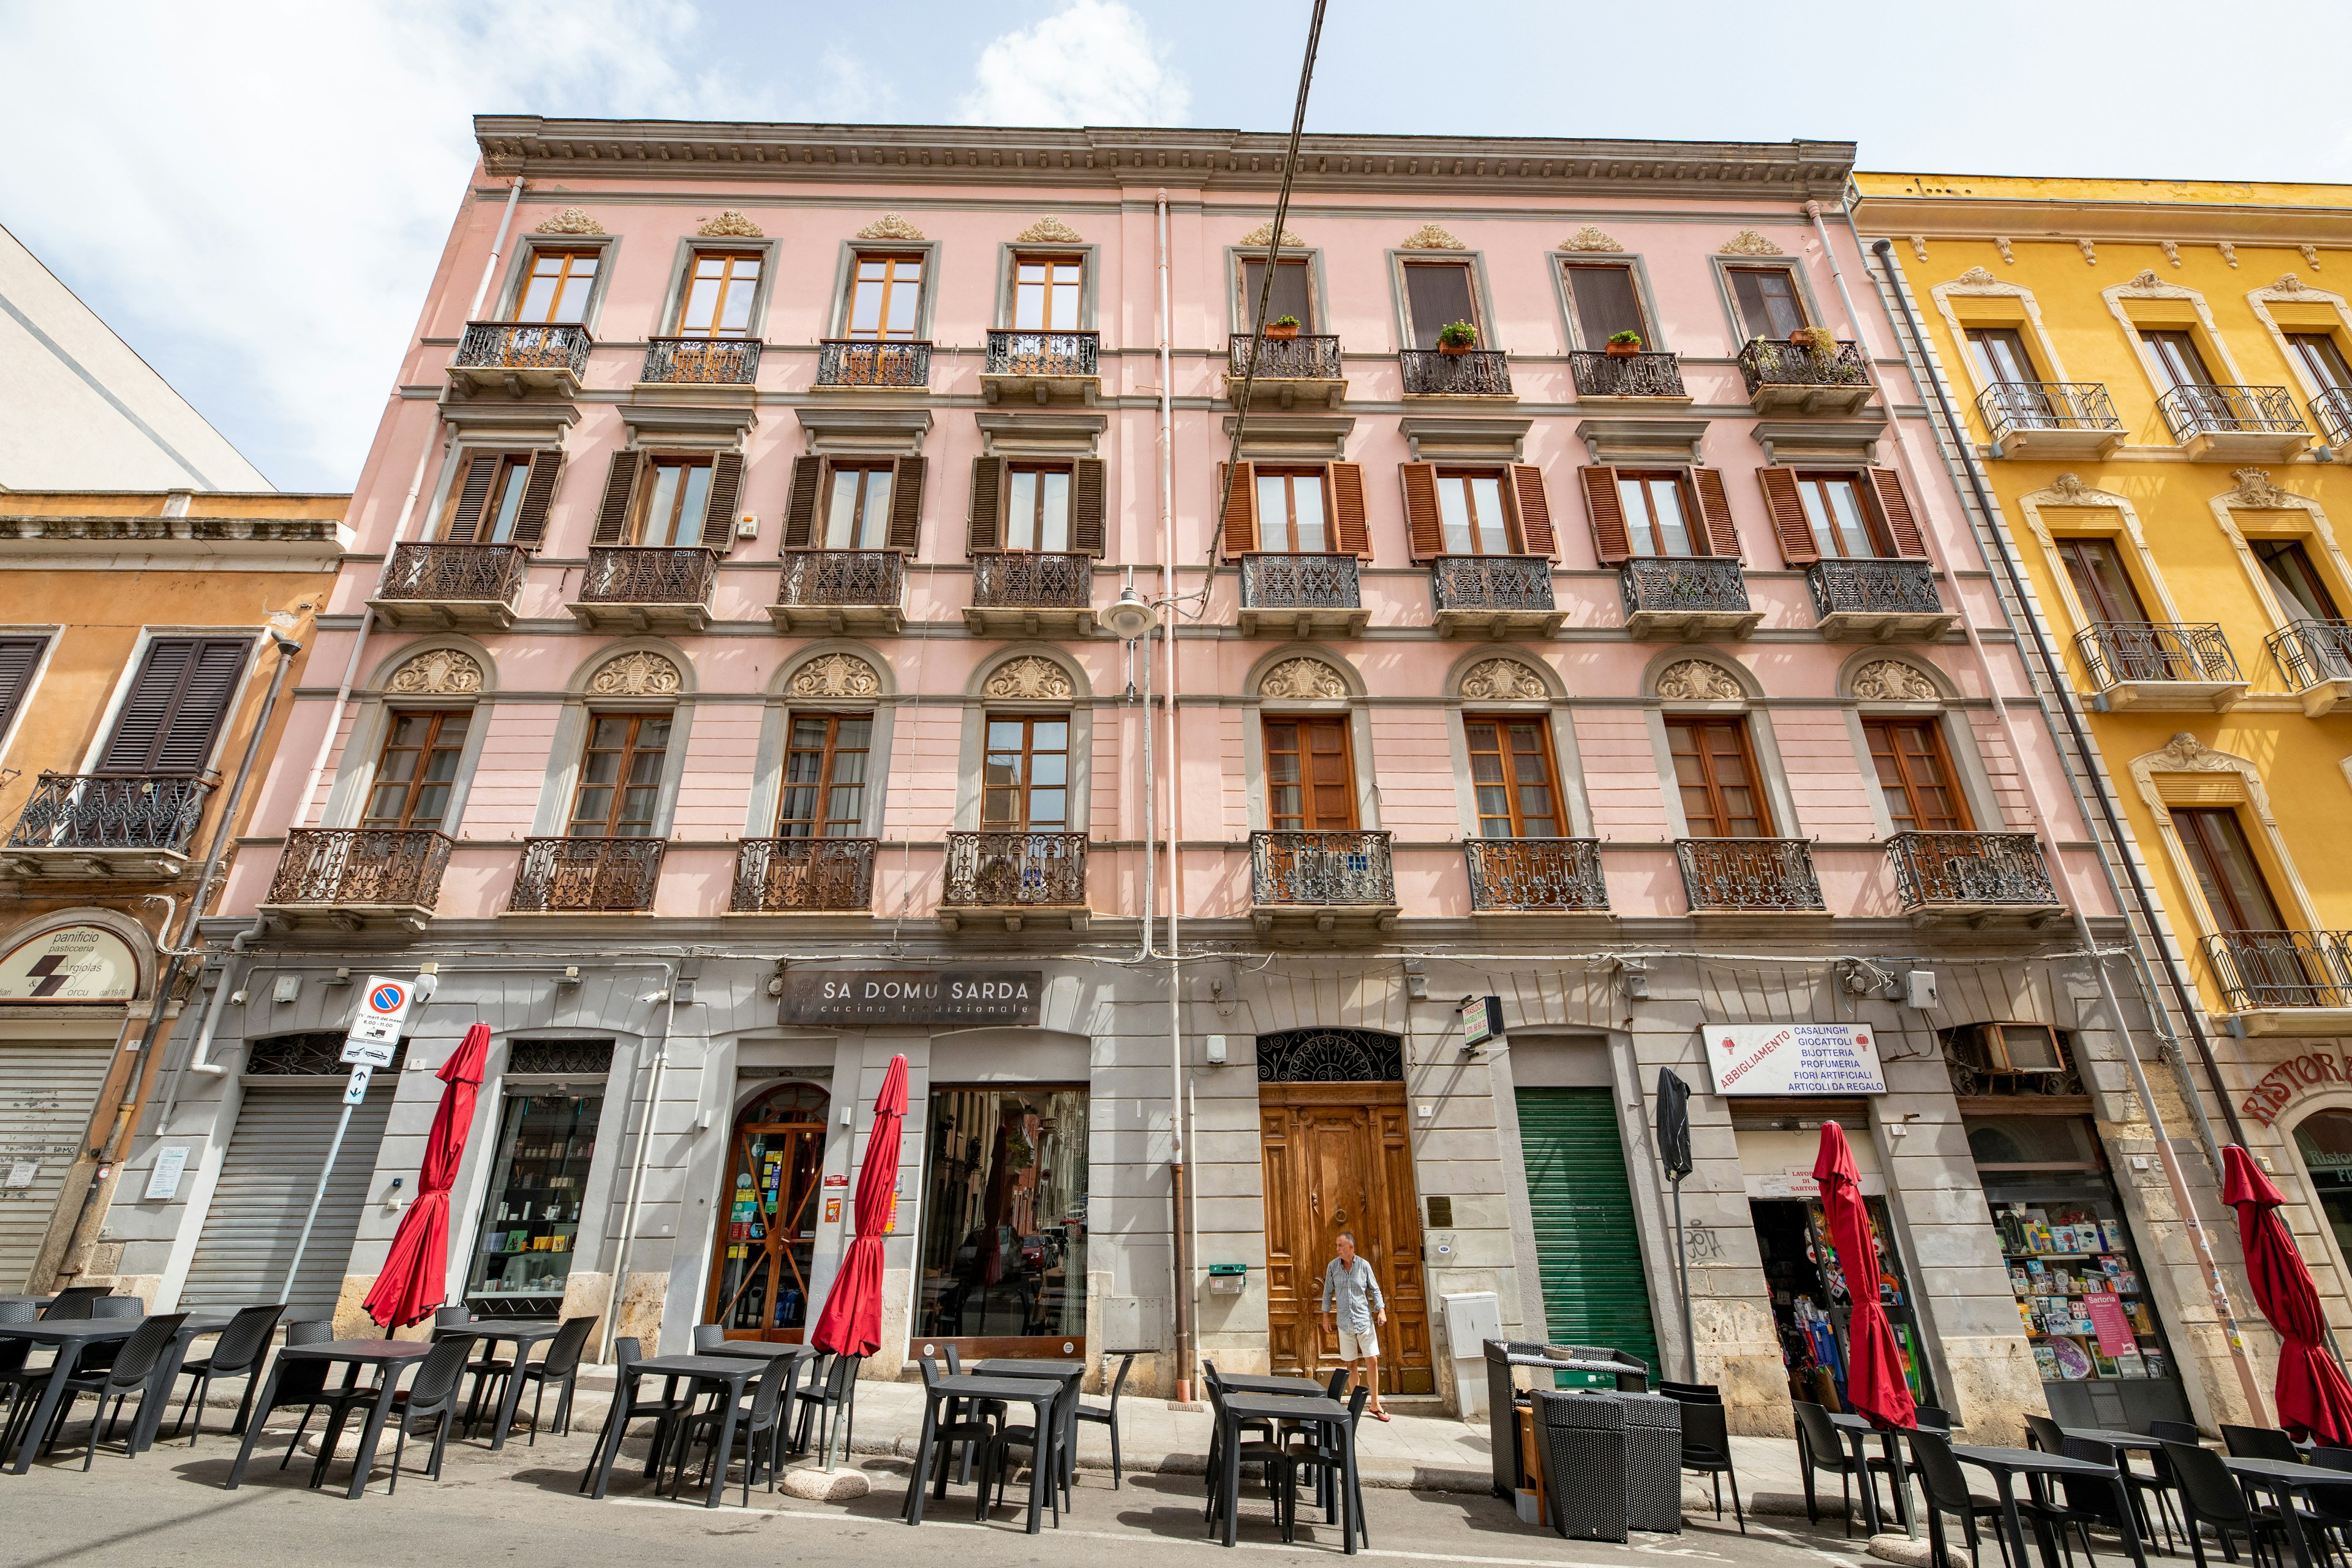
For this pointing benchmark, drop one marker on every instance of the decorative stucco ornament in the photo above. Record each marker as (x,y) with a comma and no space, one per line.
(1748,242)
(1049,231)
(1264,235)
(730,225)
(836,675)
(572,220)
(1501,680)
(2069,487)
(2184,754)
(2289,283)
(2008,251)
(1303,679)
(638,674)
(2171,248)
(1588,237)
(889,226)
(1697,680)
(1975,277)
(2310,256)
(2254,489)
(1031,677)
(1919,246)
(1892,680)
(2090,252)
(1429,236)
(2228,251)
(438,672)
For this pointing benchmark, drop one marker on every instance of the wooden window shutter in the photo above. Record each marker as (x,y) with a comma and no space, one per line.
(1237,494)
(175,705)
(620,488)
(1352,523)
(1714,507)
(800,507)
(726,490)
(18,658)
(531,518)
(987,525)
(1088,505)
(1902,518)
(1534,510)
(473,490)
(906,505)
(1788,509)
(1611,545)
(1425,526)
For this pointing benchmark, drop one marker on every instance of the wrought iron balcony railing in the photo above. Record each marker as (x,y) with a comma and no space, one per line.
(1322,866)
(1033,580)
(1974,869)
(1041,353)
(1000,870)
(2118,651)
(111,811)
(649,574)
(2008,407)
(1723,874)
(1491,582)
(816,579)
(366,866)
(514,345)
(1602,374)
(2309,652)
(1278,582)
(713,362)
(1304,358)
(1433,373)
(1764,363)
(2332,412)
(455,574)
(2258,970)
(586,876)
(1536,874)
(2190,411)
(844,363)
(792,876)
(1667,583)
(1873,587)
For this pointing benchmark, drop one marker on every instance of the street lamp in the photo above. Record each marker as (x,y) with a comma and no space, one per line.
(1130,616)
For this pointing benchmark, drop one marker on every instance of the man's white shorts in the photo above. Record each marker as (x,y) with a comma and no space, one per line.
(1365,1346)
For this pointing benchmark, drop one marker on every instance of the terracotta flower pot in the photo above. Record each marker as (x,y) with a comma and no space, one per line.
(1445,348)
(1623,350)
(1281,331)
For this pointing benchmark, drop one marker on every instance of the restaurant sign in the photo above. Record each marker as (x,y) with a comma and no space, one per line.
(2294,1076)
(862,998)
(1793,1058)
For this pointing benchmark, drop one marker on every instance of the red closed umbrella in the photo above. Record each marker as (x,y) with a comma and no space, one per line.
(1874,1386)
(851,1323)
(2313,1398)
(415,1276)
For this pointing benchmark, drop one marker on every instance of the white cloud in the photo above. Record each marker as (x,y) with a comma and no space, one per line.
(1091,63)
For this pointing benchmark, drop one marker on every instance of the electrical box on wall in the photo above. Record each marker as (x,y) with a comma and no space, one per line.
(1919,989)
(1212,1047)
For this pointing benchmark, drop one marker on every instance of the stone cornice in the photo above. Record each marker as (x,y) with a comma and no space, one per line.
(742,152)
(2019,218)
(325,532)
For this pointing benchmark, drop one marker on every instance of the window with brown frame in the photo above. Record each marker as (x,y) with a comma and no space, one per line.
(1046,292)
(1293,294)
(1606,302)
(1476,518)
(620,777)
(857,509)
(2228,871)
(1293,511)
(886,297)
(720,287)
(1914,775)
(490,517)
(417,769)
(2095,567)
(1025,777)
(677,493)
(1658,512)
(556,289)
(1037,507)
(1512,775)
(1845,522)
(1770,305)
(2294,578)
(825,776)
(1716,771)
(1309,783)
(1437,295)
(2322,358)
(2177,359)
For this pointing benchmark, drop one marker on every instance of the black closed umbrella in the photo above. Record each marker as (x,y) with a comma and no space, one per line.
(1675,1154)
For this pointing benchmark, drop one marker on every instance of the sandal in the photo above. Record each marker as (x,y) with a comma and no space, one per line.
(1380,1415)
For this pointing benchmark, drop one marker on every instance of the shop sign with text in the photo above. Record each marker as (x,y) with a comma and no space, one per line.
(1793,1058)
(866,997)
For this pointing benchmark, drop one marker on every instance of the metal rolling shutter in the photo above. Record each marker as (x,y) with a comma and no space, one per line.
(47,1092)
(266,1183)
(1588,1248)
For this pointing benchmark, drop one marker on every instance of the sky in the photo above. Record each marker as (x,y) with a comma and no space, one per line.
(254,194)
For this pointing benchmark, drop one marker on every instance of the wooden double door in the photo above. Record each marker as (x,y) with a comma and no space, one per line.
(1338,1156)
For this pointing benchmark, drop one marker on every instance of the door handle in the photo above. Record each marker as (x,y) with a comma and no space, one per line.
(1338,1217)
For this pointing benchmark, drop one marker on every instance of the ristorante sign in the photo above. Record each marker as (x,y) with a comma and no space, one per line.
(2298,1075)
(860,998)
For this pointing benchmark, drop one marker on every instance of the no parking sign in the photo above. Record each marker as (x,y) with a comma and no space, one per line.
(374,1032)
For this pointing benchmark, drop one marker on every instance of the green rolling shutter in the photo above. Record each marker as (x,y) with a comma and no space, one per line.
(1588,1248)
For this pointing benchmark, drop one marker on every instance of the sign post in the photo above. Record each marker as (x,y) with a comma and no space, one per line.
(370,1043)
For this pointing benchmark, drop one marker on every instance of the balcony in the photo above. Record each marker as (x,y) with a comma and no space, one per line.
(1792,378)
(866,366)
(1749,875)
(432,587)
(2048,420)
(586,876)
(2160,665)
(1972,876)
(1477,373)
(643,588)
(516,359)
(701,362)
(841,590)
(1302,596)
(1604,377)
(1493,595)
(1050,367)
(2314,658)
(1031,593)
(1322,880)
(1687,596)
(1536,876)
(123,827)
(1878,600)
(2332,412)
(1290,371)
(354,879)
(1013,881)
(2234,423)
(803,877)
(2284,982)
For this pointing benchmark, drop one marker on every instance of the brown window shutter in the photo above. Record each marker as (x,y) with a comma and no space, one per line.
(1788,509)
(531,518)
(1237,494)
(1352,523)
(1534,510)
(987,525)
(800,507)
(906,505)
(1088,505)
(18,658)
(472,491)
(1611,545)
(726,489)
(620,486)
(176,704)
(1714,507)
(1902,519)
(1425,527)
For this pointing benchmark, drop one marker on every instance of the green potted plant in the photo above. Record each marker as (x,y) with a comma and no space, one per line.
(1820,339)
(1624,346)
(1282,327)
(1457,338)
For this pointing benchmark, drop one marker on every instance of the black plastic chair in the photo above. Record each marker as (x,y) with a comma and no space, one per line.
(2260,1443)
(126,1375)
(2152,1495)
(237,1352)
(16,1377)
(72,1304)
(1321,1456)
(1024,1434)
(761,1424)
(1691,1393)
(972,1432)
(433,1394)
(2090,1503)
(708,1337)
(1946,1488)
(1109,1416)
(825,1402)
(2043,1433)
(2175,1432)
(1821,1446)
(2210,1495)
(1263,1451)
(1706,1448)
(1931,1419)
(666,1413)
(560,1366)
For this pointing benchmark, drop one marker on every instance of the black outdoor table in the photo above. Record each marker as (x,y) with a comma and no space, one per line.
(1064,1372)
(1036,1392)
(1857,1431)
(726,1373)
(391,1356)
(2116,1438)
(2009,1463)
(1293,1387)
(525,1332)
(1318,1410)
(35,1301)
(68,1339)
(2280,1476)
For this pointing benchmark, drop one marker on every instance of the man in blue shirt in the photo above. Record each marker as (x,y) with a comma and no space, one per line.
(1352,1303)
